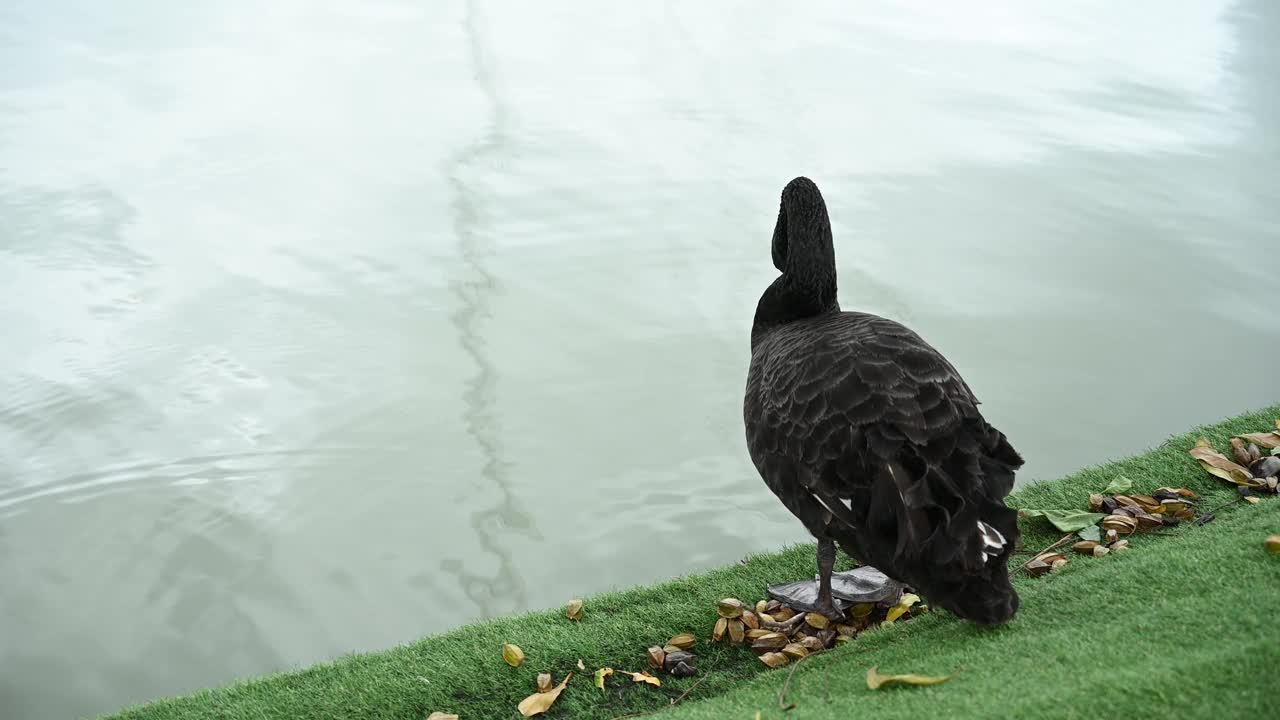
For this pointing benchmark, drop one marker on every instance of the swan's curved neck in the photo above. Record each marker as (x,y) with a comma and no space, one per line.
(803,249)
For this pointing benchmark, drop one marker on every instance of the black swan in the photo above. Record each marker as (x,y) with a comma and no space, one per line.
(871,438)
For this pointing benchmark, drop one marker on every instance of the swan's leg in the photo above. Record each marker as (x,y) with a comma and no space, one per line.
(826,564)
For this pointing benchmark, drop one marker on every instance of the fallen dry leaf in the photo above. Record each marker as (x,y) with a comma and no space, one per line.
(601,674)
(1217,464)
(1239,452)
(904,604)
(1266,440)
(512,654)
(441,716)
(544,682)
(876,680)
(574,609)
(643,677)
(774,659)
(684,641)
(717,633)
(656,656)
(1252,500)
(540,702)
(737,631)
(1272,544)
(730,608)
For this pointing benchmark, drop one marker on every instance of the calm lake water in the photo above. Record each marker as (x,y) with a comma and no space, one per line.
(320,317)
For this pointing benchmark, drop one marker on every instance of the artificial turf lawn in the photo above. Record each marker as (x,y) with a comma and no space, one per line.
(1183,625)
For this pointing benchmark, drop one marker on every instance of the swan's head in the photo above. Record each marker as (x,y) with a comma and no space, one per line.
(802,210)
(974,585)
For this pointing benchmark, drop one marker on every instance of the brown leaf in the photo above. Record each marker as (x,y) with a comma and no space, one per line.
(683,641)
(657,656)
(643,677)
(541,702)
(771,641)
(1266,440)
(1121,524)
(750,619)
(1240,452)
(1085,547)
(774,659)
(737,631)
(1037,567)
(544,682)
(722,626)
(441,716)
(1146,502)
(730,608)
(574,609)
(601,674)
(1179,491)
(1126,501)
(876,680)
(512,654)
(795,651)
(1217,464)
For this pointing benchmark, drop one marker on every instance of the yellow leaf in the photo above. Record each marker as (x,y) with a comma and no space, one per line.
(541,702)
(875,680)
(441,716)
(1217,464)
(601,674)
(512,654)
(574,609)
(904,604)
(1272,544)
(643,677)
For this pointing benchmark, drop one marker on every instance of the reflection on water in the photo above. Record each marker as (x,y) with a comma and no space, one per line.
(319,317)
(503,592)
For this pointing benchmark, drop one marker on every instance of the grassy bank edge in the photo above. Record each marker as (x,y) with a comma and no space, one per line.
(461,671)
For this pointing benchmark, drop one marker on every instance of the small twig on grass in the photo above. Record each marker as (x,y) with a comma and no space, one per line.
(674,701)
(782,696)
(1063,541)
(1223,506)
(691,689)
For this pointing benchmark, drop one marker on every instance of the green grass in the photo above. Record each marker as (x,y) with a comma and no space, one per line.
(1183,625)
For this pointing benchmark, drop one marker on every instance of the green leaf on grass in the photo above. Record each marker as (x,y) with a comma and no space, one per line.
(1067,520)
(1093,532)
(1119,485)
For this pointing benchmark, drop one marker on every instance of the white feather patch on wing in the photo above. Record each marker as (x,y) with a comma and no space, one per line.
(992,541)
